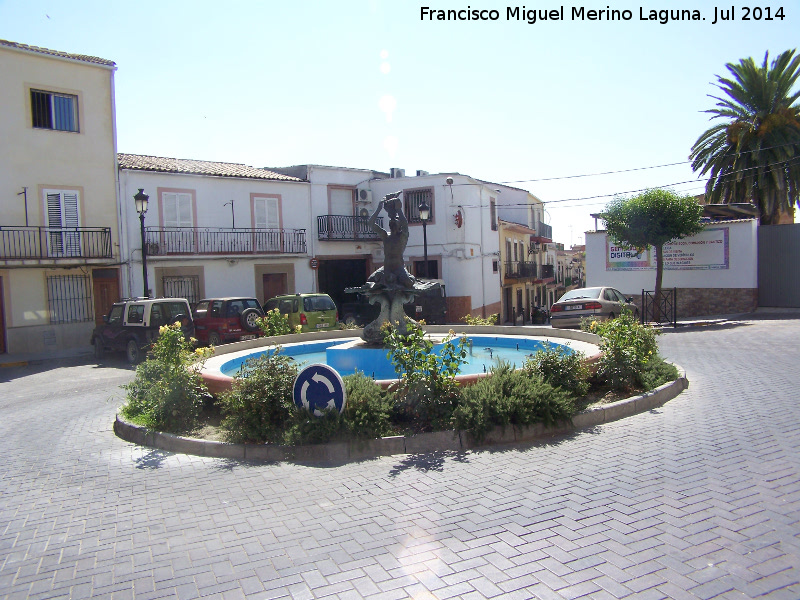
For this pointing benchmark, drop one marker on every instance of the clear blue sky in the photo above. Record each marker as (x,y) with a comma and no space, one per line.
(280,83)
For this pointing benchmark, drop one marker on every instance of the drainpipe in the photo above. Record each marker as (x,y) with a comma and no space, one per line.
(483,275)
(311,239)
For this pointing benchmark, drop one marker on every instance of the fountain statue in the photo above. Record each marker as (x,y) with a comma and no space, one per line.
(392,285)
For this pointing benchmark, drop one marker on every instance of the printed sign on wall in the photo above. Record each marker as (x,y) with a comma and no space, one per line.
(707,250)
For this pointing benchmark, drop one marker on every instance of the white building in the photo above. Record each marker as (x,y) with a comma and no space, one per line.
(462,244)
(714,272)
(214,229)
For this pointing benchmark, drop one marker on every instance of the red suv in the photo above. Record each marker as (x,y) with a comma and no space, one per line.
(221,320)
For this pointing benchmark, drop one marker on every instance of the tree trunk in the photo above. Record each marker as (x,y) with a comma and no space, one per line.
(659,273)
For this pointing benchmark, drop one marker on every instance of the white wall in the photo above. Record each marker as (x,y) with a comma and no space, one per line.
(741,271)
(468,251)
(224,275)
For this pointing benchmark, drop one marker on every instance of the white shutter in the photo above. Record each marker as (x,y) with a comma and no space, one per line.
(63,213)
(341,202)
(72,239)
(267,213)
(177,210)
(267,216)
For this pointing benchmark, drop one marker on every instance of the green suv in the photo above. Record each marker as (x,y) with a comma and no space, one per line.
(312,312)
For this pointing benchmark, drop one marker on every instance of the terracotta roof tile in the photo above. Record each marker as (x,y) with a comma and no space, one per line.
(81,57)
(138,162)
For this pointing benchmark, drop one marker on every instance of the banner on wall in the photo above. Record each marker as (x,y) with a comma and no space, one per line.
(707,250)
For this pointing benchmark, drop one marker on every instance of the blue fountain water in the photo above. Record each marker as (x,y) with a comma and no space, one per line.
(483,354)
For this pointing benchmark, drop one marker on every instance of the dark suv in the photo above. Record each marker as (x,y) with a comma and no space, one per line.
(132,325)
(221,320)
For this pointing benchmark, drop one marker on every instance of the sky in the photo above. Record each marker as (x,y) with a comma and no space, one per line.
(374,84)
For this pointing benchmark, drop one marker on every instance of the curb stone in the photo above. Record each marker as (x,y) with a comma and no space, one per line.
(436,441)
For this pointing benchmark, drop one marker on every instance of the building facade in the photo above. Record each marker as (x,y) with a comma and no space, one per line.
(59,227)
(214,229)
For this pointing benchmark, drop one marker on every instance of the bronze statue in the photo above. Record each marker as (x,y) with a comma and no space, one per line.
(393,274)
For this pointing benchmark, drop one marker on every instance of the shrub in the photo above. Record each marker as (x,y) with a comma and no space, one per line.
(167,391)
(658,372)
(259,406)
(427,392)
(368,409)
(490,320)
(627,346)
(275,323)
(509,397)
(561,368)
(366,415)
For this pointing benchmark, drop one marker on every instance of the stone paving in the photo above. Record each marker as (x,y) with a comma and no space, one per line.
(697,499)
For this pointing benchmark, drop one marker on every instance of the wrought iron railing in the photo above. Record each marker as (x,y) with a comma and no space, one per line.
(163,241)
(345,228)
(57,243)
(663,310)
(518,269)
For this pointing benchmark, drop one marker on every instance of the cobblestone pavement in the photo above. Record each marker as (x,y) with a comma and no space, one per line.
(697,499)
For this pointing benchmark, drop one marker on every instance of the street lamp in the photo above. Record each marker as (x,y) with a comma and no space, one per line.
(424,215)
(141,207)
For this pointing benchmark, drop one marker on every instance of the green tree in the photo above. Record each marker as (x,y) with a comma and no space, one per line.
(753,155)
(652,218)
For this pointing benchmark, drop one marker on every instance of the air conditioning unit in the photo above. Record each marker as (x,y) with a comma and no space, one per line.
(364,196)
(394,173)
(422,173)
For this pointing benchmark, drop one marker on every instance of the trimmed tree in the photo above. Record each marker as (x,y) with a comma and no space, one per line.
(753,153)
(652,218)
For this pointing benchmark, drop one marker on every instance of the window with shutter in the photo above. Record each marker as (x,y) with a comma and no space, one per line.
(267,224)
(63,221)
(178,222)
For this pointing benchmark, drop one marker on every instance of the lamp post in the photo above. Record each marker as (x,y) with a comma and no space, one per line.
(424,215)
(141,207)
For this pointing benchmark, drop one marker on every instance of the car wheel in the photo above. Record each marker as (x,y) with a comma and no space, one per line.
(132,351)
(99,351)
(214,339)
(610,316)
(636,315)
(350,321)
(250,319)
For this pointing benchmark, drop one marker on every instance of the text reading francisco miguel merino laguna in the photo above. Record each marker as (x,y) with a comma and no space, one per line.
(581,13)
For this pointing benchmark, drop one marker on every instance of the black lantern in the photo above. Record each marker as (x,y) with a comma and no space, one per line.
(424,215)
(141,207)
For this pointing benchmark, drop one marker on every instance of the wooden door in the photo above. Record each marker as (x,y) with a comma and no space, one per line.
(275,284)
(105,288)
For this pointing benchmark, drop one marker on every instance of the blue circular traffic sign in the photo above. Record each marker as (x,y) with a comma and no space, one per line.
(319,388)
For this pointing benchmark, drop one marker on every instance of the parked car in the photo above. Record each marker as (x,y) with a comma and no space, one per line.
(595,302)
(132,325)
(313,312)
(221,320)
(430,306)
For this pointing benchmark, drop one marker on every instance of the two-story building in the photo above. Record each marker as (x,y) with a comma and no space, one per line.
(213,229)
(59,230)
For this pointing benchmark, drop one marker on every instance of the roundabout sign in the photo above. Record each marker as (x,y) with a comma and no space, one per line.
(319,388)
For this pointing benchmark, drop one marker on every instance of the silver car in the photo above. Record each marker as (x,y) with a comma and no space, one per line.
(595,302)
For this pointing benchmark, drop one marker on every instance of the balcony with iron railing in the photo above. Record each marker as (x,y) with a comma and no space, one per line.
(168,241)
(518,269)
(547,272)
(56,244)
(345,228)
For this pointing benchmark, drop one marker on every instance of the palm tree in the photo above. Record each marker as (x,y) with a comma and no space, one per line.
(754,155)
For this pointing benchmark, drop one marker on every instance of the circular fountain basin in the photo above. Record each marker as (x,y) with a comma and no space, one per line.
(342,350)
